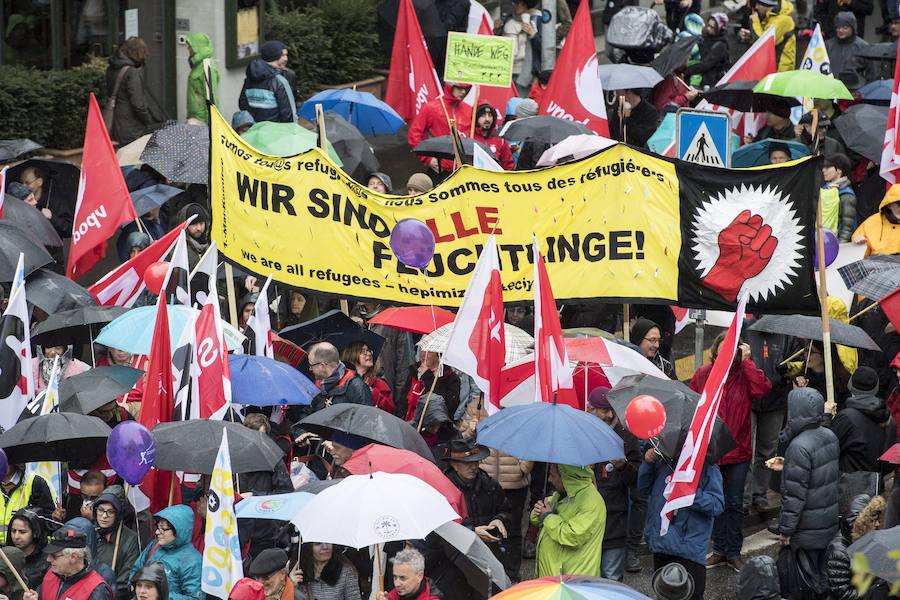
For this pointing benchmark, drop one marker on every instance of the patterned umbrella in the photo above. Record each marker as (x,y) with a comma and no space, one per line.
(856,275)
(570,587)
(518,343)
(179,152)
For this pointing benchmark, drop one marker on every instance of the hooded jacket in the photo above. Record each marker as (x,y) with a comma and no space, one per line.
(196,89)
(809,480)
(432,121)
(498,145)
(881,233)
(132,116)
(713,59)
(155,573)
(129,549)
(17,559)
(845,219)
(87,528)
(35,564)
(844,54)
(571,538)
(758,580)
(785,38)
(837,310)
(690,527)
(181,560)
(860,430)
(195,247)
(267,94)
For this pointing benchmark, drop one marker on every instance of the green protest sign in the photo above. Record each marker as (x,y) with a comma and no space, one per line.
(479,59)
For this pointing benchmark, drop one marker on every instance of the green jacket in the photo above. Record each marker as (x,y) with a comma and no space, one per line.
(196,90)
(571,536)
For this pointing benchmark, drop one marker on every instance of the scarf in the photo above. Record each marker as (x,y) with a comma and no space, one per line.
(46,363)
(196,245)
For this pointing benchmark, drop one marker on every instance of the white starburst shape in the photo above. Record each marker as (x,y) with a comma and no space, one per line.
(776,210)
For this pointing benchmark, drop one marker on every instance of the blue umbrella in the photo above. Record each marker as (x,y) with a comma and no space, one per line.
(664,135)
(280,507)
(553,433)
(361,109)
(133,331)
(757,153)
(262,381)
(877,91)
(154,196)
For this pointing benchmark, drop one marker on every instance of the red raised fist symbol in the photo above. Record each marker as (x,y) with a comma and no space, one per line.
(745,248)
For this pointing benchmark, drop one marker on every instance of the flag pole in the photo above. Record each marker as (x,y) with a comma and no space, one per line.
(13,570)
(626,321)
(428,397)
(116,547)
(826,324)
(475,112)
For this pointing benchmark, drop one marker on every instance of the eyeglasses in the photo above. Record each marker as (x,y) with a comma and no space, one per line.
(655,340)
(311,365)
(106,512)
(366,351)
(162,529)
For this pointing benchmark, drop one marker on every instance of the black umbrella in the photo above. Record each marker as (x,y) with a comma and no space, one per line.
(483,572)
(60,190)
(334,327)
(63,436)
(29,219)
(179,152)
(192,446)
(543,128)
(860,127)
(350,145)
(88,391)
(810,328)
(370,423)
(75,326)
(14,241)
(680,402)
(878,547)
(739,95)
(52,292)
(10,149)
(442,147)
(886,51)
(675,55)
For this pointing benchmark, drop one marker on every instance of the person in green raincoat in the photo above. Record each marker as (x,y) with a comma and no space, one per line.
(572,522)
(200,47)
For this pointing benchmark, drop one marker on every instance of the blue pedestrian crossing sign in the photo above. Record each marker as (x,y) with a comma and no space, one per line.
(703,137)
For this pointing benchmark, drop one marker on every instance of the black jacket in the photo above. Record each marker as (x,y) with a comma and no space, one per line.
(262,533)
(354,391)
(129,548)
(639,125)
(713,59)
(132,116)
(267,94)
(785,133)
(824,12)
(809,481)
(613,484)
(447,386)
(860,431)
(35,563)
(485,500)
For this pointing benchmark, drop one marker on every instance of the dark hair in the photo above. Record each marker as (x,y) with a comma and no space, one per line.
(332,571)
(135,49)
(838,161)
(714,349)
(92,477)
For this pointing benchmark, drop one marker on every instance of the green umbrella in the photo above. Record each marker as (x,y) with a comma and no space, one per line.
(805,83)
(284,139)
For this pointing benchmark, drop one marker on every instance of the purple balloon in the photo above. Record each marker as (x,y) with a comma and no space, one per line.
(832,246)
(412,243)
(4,464)
(130,450)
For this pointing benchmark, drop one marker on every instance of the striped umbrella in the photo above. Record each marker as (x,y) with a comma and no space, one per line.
(575,587)
(518,343)
(874,277)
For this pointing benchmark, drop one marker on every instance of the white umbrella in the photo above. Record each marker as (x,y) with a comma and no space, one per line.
(518,343)
(574,147)
(131,153)
(365,510)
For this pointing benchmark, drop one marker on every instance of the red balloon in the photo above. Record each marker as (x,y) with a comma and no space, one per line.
(155,276)
(645,416)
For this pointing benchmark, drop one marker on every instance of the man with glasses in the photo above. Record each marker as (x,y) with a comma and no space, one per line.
(270,568)
(337,383)
(70,575)
(111,531)
(647,336)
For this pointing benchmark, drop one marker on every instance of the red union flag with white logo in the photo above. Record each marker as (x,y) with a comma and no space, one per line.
(103,200)
(682,485)
(412,80)
(574,91)
(890,155)
(214,379)
(477,344)
(553,375)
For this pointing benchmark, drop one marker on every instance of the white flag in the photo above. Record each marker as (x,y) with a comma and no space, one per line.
(259,326)
(16,378)
(482,159)
(222,555)
(816,59)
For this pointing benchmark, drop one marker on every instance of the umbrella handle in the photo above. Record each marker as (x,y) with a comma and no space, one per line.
(428,399)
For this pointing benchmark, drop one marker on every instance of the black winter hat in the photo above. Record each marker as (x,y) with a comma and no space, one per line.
(271,50)
(864,380)
(640,328)
(840,161)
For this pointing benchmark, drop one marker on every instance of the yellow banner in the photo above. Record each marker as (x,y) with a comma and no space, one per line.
(609,227)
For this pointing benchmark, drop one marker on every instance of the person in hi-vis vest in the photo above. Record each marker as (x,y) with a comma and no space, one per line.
(19,491)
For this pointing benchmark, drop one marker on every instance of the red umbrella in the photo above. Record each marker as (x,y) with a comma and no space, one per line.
(892,455)
(376,457)
(417,319)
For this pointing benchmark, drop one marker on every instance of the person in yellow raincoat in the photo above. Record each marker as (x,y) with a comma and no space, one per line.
(881,231)
(775,13)
(572,522)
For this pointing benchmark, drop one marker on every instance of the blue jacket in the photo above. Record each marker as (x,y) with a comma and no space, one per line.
(182,561)
(266,94)
(691,527)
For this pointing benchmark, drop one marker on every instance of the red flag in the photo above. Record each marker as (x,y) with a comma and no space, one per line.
(123,285)
(103,201)
(682,486)
(412,80)
(214,380)
(757,62)
(890,154)
(158,406)
(477,344)
(890,305)
(553,375)
(574,91)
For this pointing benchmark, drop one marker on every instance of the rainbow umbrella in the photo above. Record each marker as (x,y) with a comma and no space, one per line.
(570,587)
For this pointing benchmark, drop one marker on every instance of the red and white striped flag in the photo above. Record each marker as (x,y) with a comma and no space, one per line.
(477,344)
(553,374)
(682,486)
(890,154)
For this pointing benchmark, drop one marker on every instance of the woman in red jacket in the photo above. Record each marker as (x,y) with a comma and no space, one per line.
(745,383)
(360,357)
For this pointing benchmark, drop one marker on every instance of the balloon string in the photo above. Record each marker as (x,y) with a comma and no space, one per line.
(655,443)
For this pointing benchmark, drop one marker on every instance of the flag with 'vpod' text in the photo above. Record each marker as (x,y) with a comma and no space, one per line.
(222,555)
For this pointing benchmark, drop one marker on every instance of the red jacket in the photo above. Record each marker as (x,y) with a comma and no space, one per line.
(381,394)
(432,121)
(500,148)
(425,595)
(745,383)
